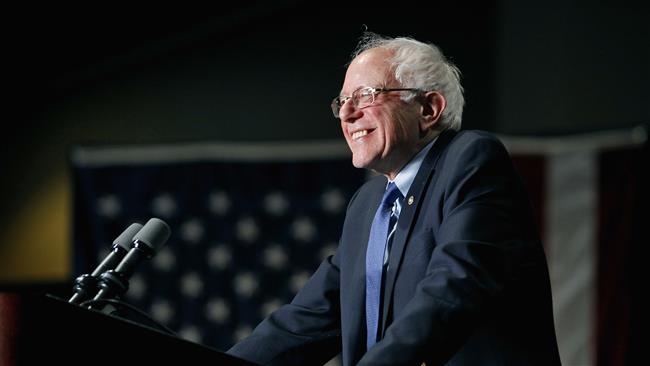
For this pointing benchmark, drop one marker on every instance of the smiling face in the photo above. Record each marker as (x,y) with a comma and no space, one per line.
(385,135)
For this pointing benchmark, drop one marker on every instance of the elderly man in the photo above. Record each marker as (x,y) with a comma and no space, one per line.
(439,262)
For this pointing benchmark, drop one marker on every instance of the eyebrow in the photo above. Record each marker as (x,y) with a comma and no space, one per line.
(360,87)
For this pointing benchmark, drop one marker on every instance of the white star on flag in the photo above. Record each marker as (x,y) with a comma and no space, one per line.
(162,311)
(163,205)
(303,229)
(333,201)
(276,204)
(192,231)
(247,230)
(191,284)
(219,203)
(108,206)
(190,333)
(217,310)
(275,257)
(245,284)
(219,257)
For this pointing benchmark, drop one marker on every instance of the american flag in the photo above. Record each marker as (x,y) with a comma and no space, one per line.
(589,192)
(250,223)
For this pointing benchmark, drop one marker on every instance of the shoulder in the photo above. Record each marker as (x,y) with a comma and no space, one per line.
(475,144)
(475,138)
(469,152)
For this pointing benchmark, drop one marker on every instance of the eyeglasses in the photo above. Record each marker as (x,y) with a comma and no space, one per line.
(363,97)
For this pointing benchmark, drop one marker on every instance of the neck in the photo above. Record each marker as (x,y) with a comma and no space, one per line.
(390,175)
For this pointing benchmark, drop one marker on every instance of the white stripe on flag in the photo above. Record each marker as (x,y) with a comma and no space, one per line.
(571,248)
(276,151)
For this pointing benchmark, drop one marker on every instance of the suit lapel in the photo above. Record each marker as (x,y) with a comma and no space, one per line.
(406,218)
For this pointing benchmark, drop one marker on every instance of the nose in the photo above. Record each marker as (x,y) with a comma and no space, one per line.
(349,113)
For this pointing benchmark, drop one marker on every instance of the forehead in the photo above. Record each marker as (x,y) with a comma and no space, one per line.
(370,68)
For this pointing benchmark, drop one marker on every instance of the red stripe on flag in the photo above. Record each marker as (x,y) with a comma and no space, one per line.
(618,192)
(532,170)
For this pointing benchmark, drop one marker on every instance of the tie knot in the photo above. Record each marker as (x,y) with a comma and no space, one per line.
(391,195)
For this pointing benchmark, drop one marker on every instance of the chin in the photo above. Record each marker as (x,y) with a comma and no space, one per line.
(363,162)
(358,162)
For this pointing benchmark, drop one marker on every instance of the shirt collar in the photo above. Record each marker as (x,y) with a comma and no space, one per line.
(405,177)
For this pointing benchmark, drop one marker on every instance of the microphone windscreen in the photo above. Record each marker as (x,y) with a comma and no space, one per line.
(153,234)
(125,239)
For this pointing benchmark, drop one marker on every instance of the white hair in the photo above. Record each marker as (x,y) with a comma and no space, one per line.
(422,66)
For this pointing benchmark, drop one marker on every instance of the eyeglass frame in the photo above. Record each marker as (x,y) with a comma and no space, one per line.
(339,102)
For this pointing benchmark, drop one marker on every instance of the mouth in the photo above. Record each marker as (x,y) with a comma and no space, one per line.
(361,133)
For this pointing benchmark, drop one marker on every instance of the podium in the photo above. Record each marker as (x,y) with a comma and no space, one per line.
(42,329)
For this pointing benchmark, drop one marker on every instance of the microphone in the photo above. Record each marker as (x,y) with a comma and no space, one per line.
(88,282)
(145,244)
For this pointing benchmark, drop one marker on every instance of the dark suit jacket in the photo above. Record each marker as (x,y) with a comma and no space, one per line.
(467,282)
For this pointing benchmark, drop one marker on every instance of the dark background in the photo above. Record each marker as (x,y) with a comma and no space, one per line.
(110,73)
(252,71)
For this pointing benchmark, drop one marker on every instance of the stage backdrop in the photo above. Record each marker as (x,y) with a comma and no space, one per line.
(251,222)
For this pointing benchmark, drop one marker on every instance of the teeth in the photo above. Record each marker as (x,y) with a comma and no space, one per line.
(358,134)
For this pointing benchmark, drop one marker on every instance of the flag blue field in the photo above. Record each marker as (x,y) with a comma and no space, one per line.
(250,223)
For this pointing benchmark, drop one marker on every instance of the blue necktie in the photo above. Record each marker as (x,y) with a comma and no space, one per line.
(375,259)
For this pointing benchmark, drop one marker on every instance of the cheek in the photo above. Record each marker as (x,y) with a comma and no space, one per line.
(402,127)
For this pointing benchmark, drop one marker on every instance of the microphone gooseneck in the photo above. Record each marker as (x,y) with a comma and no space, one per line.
(86,284)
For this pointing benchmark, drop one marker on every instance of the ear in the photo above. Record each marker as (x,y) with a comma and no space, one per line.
(433,104)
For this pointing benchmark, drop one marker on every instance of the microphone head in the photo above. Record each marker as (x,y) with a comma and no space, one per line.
(153,234)
(125,239)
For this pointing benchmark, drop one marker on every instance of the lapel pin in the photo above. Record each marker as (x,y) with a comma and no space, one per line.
(410,201)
